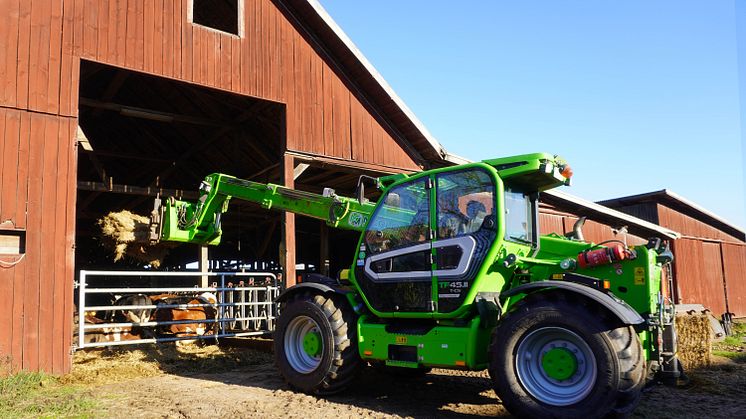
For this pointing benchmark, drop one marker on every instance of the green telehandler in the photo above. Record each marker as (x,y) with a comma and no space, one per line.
(450,271)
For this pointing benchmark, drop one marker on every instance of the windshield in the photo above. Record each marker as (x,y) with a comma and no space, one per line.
(519,219)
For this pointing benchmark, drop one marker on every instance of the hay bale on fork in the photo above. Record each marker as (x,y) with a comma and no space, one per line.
(694,340)
(128,235)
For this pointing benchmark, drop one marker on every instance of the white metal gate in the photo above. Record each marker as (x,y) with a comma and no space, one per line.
(244,310)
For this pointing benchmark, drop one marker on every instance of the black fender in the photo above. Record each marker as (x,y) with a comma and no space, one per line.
(617,307)
(322,288)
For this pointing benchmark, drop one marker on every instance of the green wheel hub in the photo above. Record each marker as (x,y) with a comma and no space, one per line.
(559,363)
(312,343)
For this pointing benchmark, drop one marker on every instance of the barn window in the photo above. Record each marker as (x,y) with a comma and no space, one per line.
(222,15)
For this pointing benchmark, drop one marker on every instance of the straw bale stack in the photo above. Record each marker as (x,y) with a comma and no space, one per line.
(128,234)
(694,340)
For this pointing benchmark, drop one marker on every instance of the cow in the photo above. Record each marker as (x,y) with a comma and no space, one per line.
(140,315)
(166,314)
(109,334)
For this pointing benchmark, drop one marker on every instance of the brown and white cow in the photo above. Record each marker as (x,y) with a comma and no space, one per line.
(187,313)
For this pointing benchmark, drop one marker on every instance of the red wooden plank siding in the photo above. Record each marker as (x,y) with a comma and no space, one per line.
(33,245)
(130,34)
(356,129)
(734,258)
(66,66)
(55,60)
(187,45)
(315,109)
(550,223)
(70,237)
(24,44)
(48,245)
(328,116)
(698,274)
(39,55)
(20,279)
(6,272)
(157,48)
(60,313)
(90,29)
(106,17)
(712,290)
(178,21)
(341,122)
(148,34)
(9,20)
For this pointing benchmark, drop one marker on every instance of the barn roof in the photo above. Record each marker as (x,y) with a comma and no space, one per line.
(607,215)
(311,14)
(680,204)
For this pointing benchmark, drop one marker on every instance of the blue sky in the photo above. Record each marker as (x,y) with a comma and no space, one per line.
(637,95)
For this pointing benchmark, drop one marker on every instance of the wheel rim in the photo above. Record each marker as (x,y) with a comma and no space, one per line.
(303,344)
(556,366)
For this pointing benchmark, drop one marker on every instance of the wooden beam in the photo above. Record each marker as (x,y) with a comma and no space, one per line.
(126,156)
(287,246)
(151,114)
(135,190)
(347,165)
(82,139)
(204,266)
(299,169)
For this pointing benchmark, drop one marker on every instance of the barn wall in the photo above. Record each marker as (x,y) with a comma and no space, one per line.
(698,274)
(734,264)
(37,172)
(593,231)
(41,45)
(41,42)
(690,226)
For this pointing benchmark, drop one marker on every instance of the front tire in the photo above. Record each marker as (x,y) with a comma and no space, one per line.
(554,356)
(315,344)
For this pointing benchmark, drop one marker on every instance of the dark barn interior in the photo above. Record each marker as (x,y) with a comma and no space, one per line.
(141,136)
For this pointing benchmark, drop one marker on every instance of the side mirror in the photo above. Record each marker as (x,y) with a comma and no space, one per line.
(360,191)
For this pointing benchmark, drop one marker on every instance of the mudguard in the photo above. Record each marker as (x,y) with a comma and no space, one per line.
(323,287)
(619,308)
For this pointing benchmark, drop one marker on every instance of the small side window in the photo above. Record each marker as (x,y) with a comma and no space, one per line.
(223,15)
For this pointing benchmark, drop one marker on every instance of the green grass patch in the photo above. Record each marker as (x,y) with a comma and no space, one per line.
(38,395)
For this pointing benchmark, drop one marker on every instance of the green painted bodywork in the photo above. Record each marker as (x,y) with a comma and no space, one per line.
(458,338)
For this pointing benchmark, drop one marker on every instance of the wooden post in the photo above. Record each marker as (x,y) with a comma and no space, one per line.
(287,246)
(204,266)
(324,250)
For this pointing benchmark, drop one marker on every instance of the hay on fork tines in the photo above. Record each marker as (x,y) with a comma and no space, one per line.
(128,234)
(694,340)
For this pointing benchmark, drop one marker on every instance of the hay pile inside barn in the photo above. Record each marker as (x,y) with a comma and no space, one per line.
(128,235)
(695,340)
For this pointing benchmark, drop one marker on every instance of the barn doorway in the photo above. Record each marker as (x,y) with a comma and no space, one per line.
(140,135)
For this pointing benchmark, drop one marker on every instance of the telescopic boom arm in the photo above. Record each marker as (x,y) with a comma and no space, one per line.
(199,222)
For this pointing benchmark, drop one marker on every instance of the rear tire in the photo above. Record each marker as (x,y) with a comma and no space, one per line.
(555,356)
(315,344)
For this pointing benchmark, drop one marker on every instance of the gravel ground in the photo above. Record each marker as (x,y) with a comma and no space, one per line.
(231,385)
